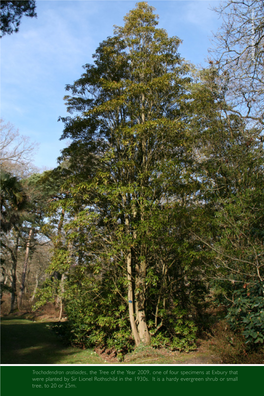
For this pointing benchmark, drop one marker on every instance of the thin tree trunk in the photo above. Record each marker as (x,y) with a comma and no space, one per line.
(58,301)
(61,294)
(35,289)
(2,279)
(130,289)
(24,273)
(163,287)
(14,277)
(141,268)
(131,300)
(140,304)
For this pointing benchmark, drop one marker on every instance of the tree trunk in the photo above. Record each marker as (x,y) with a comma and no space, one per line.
(140,304)
(61,294)
(136,303)
(24,273)
(131,300)
(35,288)
(14,276)
(2,279)
(56,274)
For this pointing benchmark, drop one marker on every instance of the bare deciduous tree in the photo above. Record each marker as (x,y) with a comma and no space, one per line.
(239,54)
(16,151)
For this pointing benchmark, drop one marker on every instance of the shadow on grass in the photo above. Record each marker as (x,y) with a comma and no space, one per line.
(25,342)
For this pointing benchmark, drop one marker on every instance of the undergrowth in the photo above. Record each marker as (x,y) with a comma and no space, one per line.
(231,346)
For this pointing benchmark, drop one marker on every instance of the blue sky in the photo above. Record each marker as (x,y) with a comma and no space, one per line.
(48,52)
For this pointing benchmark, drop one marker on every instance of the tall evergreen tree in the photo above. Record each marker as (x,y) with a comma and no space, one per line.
(128,136)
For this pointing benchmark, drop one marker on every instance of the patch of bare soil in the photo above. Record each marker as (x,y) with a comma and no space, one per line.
(109,355)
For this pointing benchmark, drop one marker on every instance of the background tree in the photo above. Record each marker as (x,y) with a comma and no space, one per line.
(23,205)
(13,201)
(16,151)
(229,224)
(51,182)
(32,228)
(35,276)
(16,203)
(239,55)
(12,12)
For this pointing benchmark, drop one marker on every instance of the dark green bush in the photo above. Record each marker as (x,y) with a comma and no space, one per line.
(177,331)
(246,314)
(97,319)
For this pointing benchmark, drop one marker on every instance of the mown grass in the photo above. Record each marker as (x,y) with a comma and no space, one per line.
(27,342)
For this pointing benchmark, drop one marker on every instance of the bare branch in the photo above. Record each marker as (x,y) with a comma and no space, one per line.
(16,151)
(239,54)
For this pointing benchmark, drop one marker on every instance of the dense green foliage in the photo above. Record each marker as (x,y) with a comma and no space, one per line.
(13,200)
(247,313)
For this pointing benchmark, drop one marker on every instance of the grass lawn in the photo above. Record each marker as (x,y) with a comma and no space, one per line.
(27,342)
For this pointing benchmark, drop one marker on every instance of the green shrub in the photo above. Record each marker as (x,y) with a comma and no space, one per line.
(97,318)
(246,314)
(177,331)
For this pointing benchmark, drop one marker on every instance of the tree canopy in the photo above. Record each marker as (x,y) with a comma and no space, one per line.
(12,12)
